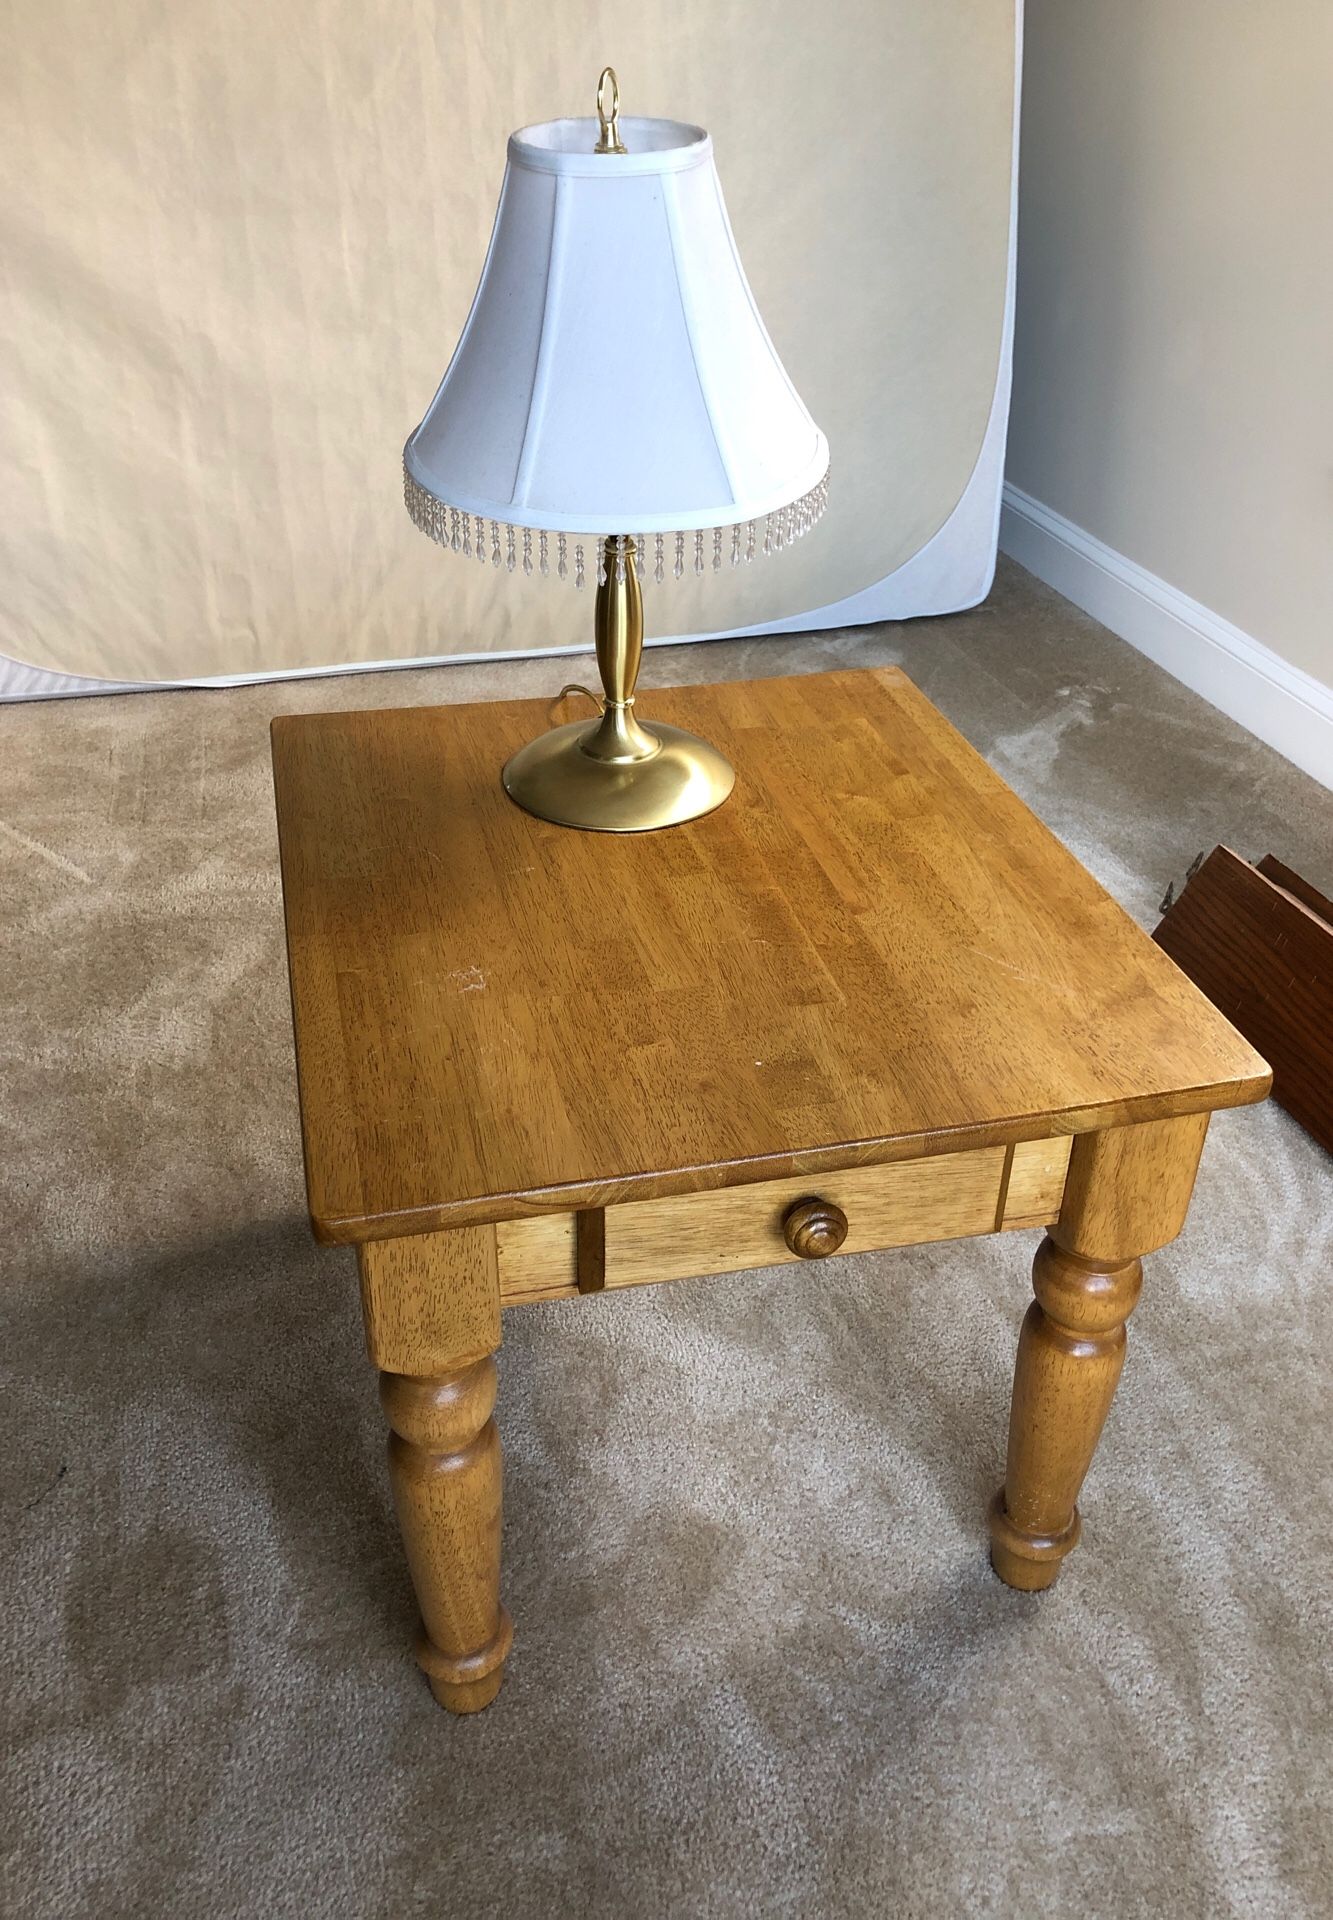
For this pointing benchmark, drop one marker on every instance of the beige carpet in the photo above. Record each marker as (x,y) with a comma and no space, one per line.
(761,1665)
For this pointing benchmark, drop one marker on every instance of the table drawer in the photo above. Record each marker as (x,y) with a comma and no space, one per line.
(944,1198)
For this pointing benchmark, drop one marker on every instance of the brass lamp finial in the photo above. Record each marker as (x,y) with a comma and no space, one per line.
(608,113)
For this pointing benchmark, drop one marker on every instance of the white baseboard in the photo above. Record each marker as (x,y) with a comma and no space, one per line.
(1289,709)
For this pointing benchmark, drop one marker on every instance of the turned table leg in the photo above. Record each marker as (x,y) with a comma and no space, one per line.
(444,1461)
(1126,1194)
(432,1312)
(1070,1353)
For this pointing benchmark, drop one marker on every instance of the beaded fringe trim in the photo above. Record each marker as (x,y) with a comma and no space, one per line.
(564,554)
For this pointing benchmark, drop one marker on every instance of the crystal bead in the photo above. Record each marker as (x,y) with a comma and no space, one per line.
(527,549)
(680,555)
(620,563)
(736,546)
(749,541)
(510,561)
(562,564)
(542,558)
(601,563)
(479,539)
(578,565)
(657,561)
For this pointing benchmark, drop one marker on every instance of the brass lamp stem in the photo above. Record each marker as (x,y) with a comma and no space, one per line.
(618,630)
(613,775)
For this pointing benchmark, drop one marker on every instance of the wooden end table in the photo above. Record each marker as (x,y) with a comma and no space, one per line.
(869,1002)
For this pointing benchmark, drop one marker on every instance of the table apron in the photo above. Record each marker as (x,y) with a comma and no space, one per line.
(948,1197)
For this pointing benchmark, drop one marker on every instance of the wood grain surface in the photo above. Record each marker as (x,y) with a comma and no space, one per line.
(430,1304)
(814,1229)
(1127,1192)
(1297,886)
(872,952)
(448,1486)
(1260,945)
(432,1312)
(946,1197)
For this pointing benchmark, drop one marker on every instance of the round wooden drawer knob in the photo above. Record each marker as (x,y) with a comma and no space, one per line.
(814,1228)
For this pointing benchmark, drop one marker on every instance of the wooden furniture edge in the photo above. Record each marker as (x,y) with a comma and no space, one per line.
(432,1319)
(697,1235)
(307,1158)
(356,1229)
(1297,886)
(1126,1193)
(344,1219)
(1263,954)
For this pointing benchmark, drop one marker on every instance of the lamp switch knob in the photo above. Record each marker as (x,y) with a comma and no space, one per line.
(813,1229)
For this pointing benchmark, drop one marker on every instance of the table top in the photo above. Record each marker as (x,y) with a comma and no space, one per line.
(872,951)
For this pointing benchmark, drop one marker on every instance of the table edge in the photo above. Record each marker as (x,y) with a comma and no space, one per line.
(355,1229)
(343,1228)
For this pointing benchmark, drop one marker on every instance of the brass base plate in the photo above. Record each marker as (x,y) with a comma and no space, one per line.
(553,778)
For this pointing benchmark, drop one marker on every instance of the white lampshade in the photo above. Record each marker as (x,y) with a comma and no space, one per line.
(614,375)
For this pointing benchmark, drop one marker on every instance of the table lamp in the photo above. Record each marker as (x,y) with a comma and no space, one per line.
(615,407)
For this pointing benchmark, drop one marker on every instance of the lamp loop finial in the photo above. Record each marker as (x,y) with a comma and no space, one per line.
(608,113)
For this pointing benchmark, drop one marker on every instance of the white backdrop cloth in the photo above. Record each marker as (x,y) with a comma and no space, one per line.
(240,244)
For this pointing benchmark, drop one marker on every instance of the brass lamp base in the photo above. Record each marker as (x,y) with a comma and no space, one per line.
(555,778)
(613,775)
